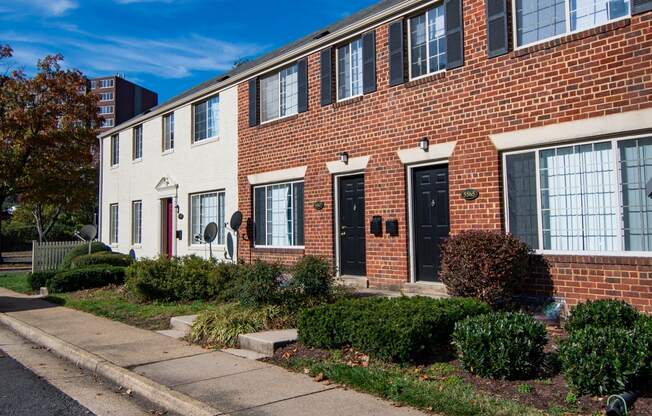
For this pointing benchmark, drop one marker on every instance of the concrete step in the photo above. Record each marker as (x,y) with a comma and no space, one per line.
(267,342)
(182,323)
(172,333)
(248,354)
(357,282)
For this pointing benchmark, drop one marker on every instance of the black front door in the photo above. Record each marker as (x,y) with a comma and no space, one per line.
(352,226)
(431,219)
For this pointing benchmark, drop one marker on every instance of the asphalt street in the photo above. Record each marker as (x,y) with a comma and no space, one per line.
(23,393)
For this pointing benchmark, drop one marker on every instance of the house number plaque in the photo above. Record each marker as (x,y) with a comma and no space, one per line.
(470,194)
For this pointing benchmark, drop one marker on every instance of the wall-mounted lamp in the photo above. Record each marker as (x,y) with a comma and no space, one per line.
(424,144)
(344,157)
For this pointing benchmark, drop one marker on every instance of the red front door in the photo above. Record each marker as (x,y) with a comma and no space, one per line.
(167,221)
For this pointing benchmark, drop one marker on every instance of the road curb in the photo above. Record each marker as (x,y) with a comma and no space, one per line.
(156,393)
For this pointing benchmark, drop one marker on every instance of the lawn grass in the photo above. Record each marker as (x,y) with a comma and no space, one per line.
(15,281)
(111,303)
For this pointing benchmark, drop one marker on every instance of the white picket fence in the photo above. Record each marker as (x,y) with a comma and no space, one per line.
(49,255)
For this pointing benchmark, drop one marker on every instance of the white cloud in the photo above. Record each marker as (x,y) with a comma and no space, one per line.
(143,1)
(45,7)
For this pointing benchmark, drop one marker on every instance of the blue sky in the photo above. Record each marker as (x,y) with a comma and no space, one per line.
(165,45)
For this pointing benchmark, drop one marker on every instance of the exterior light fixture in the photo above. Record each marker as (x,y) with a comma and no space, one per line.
(344,157)
(424,144)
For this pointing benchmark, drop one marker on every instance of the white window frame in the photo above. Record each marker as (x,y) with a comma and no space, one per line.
(217,123)
(221,227)
(349,45)
(107,122)
(260,104)
(106,94)
(568,30)
(409,42)
(164,142)
(137,143)
(106,83)
(267,185)
(109,109)
(618,200)
(114,142)
(137,223)
(114,224)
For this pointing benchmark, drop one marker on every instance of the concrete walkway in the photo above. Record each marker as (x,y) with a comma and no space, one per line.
(231,385)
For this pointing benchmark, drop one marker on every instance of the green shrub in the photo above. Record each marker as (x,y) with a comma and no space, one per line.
(486,265)
(608,313)
(101,257)
(602,360)
(643,332)
(501,345)
(82,249)
(400,330)
(312,277)
(222,326)
(86,278)
(226,279)
(153,279)
(38,280)
(261,284)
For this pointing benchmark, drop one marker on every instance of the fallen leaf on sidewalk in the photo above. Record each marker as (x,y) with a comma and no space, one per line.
(320,377)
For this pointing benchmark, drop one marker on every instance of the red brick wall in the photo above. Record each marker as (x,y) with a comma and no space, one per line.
(603,71)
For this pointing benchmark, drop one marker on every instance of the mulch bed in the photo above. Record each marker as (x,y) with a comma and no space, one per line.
(545,392)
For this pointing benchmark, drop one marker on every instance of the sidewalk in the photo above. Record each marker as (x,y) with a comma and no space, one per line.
(218,382)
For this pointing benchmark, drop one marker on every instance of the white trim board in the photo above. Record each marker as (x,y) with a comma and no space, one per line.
(574,130)
(282,175)
(435,152)
(355,164)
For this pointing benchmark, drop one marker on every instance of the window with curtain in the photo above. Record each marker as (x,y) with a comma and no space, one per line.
(138,142)
(427,42)
(137,222)
(537,20)
(168,132)
(349,70)
(586,197)
(206,119)
(279,94)
(113,223)
(206,208)
(278,215)
(115,150)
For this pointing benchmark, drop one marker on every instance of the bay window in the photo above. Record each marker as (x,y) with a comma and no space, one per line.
(349,70)
(537,20)
(206,119)
(427,37)
(279,94)
(206,208)
(278,215)
(587,197)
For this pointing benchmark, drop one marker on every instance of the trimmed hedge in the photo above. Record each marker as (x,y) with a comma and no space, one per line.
(86,278)
(487,265)
(313,277)
(101,257)
(38,280)
(261,284)
(501,345)
(400,330)
(603,313)
(81,250)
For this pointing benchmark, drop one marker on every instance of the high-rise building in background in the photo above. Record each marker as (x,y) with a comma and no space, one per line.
(121,100)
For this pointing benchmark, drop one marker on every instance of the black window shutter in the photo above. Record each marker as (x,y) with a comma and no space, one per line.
(253,102)
(298,213)
(454,34)
(496,28)
(259,216)
(522,198)
(396,52)
(326,76)
(641,6)
(302,69)
(369,62)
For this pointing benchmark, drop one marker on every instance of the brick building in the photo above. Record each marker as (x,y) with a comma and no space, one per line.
(120,100)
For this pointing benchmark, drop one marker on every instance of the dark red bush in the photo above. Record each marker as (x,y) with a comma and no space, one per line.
(486,265)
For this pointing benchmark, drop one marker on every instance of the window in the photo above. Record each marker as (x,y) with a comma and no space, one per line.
(279,94)
(278,215)
(204,209)
(137,222)
(106,83)
(115,150)
(207,123)
(427,42)
(168,132)
(107,122)
(349,70)
(113,223)
(106,109)
(137,150)
(537,20)
(106,96)
(587,197)
(93,84)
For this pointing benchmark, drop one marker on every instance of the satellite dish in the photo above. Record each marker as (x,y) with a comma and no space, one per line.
(236,221)
(229,246)
(210,232)
(88,232)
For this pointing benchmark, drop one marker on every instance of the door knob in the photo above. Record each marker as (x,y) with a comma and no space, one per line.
(343,234)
